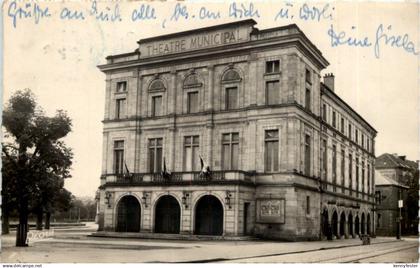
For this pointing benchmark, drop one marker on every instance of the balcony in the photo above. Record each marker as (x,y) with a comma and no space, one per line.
(192,177)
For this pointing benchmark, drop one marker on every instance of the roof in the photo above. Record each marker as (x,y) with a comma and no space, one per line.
(325,88)
(388,160)
(381,180)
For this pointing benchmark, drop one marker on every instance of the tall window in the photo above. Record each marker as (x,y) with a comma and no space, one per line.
(121,86)
(308,77)
(308,205)
(334,119)
(342,125)
(350,131)
(272,92)
(271,150)
(324,163)
(272,66)
(334,163)
(308,99)
(191,153)
(155,155)
(307,155)
(157,106)
(357,174)
(230,151)
(231,100)
(350,171)
(368,179)
(363,140)
(118,157)
(363,176)
(120,109)
(192,102)
(367,144)
(343,166)
(324,112)
(356,135)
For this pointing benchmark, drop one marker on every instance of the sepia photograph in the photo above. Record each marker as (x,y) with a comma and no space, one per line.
(210,132)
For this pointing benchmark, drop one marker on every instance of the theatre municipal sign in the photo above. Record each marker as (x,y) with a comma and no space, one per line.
(193,41)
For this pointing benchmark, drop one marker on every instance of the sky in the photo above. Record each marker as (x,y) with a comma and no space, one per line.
(57,57)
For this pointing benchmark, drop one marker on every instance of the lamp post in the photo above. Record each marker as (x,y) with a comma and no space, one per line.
(400,205)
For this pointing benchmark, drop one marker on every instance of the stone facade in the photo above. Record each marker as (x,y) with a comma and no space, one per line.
(272,183)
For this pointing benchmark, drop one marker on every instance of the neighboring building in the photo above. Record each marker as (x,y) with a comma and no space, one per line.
(290,159)
(394,178)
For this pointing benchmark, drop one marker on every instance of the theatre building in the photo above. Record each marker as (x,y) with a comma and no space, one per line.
(288,158)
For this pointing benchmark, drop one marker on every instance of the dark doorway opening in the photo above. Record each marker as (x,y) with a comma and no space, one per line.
(368,225)
(363,224)
(356,227)
(334,224)
(351,225)
(167,215)
(247,218)
(128,214)
(342,224)
(326,228)
(208,216)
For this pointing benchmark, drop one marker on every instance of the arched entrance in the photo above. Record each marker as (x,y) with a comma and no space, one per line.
(356,227)
(167,215)
(350,225)
(368,224)
(324,224)
(334,223)
(128,214)
(342,223)
(208,216)
(363,224)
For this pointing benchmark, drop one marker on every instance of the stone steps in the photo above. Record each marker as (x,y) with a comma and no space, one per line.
(171,236)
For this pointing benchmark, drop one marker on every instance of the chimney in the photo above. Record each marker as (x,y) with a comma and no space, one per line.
(329,81)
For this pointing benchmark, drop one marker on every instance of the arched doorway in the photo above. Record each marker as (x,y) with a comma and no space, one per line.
(350,225)
(356,227)
(342,223)
(208,216)
(128,214)
(363,224)
(324,224)
(368,224)
(167,215)
(334,223)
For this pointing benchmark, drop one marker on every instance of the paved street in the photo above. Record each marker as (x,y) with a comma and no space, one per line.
(73,245)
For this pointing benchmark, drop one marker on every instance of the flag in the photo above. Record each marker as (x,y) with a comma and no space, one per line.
(202,163)
(126,168)
(164,165)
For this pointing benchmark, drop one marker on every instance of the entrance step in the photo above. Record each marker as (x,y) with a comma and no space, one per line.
(171,236)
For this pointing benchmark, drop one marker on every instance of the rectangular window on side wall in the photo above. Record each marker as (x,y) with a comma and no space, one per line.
(192,106)
(230,151)
(324,157)
(231,98)
(120,109)
(155,155)
(272,92)
(122,86)
(342,125)
(307,155)
(272,66)
(356,136)
(343,166)
(157,106)
(324,112)
(334,122)
(357,174)
(350,171)
(271,150)
(191,153)
(334,164)
(308,205)
(118,157)
(363,176)
(350,136)
(308,99)
(308,76)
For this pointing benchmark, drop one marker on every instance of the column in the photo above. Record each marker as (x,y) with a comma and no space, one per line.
(346,229)
(210,100)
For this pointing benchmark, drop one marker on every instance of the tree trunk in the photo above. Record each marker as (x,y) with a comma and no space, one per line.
(5,222)
(39,214)
(22,228)
(47,220)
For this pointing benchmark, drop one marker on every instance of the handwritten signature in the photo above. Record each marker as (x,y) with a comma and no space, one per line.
(383,36)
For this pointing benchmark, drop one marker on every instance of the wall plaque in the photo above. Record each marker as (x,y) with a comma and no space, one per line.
(270,210)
